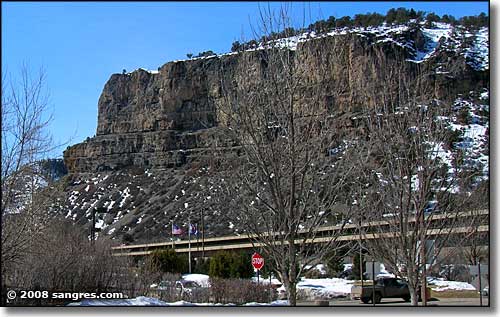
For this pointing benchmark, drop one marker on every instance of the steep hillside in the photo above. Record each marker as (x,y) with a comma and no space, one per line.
(138,171)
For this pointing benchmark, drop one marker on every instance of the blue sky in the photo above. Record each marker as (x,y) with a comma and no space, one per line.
(81,44)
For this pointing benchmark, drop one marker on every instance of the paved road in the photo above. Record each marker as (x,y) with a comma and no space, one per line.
(399,302)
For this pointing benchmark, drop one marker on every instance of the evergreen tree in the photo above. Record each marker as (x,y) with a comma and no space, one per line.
(390,16)
(448,19)
(236,46)
(330,23)
(345,21)
(335,263)
(168,261)
(230,265)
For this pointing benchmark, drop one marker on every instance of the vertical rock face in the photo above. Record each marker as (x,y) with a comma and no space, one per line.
(160,119)
(177,98)
(150,119)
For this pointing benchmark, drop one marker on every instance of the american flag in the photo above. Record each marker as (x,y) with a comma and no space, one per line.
(176,229)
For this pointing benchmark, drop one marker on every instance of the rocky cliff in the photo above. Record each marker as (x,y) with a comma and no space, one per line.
(158,121)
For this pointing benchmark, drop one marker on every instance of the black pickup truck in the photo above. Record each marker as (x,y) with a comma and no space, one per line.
(385,288)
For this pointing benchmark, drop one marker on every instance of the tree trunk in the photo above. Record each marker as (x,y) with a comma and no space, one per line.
(292,294)
(423,289)
(413,295)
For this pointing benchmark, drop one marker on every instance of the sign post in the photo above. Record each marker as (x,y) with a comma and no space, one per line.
(480,286)
(373,269)
(257,263)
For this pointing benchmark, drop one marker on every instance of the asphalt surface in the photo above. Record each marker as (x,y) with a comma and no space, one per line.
(399,302)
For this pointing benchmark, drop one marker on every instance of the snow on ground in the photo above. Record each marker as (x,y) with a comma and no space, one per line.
(274,303)
(443,285)
(323,288)
(125,195)
(138,301)
(477,53)
(474,134)
(100,224)
(149,301)
(433,35)
(265,281)
(319,267)
(438,150)
(309,289)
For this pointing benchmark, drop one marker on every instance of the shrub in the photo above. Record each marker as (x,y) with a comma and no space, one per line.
(238,291)
(313,273)
(236,46)
(464,117)
(169,261)
(202,266)
(230,265)
(335,263)
(205,54)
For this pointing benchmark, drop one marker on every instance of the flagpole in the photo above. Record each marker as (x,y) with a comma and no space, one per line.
(172,234)
(189,243)
(202,236)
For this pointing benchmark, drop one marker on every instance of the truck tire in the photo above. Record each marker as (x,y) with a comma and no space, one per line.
(365,300)
(378,298)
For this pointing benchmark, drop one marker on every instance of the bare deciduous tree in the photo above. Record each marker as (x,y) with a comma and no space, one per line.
(287,180)
(412,182)
(25,140)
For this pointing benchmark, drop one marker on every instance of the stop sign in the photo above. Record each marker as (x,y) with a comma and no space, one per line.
(257,261)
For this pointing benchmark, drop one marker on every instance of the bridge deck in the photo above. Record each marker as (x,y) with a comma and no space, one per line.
(249,241)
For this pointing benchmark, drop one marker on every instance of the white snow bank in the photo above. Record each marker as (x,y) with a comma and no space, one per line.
(149,301)
(138,301)
(450,285)
(274,303)
(322,288)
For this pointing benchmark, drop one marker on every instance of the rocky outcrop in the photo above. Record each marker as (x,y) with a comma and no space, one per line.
(160,119)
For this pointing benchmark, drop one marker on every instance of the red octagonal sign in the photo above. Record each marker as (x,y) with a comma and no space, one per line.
(257,261)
